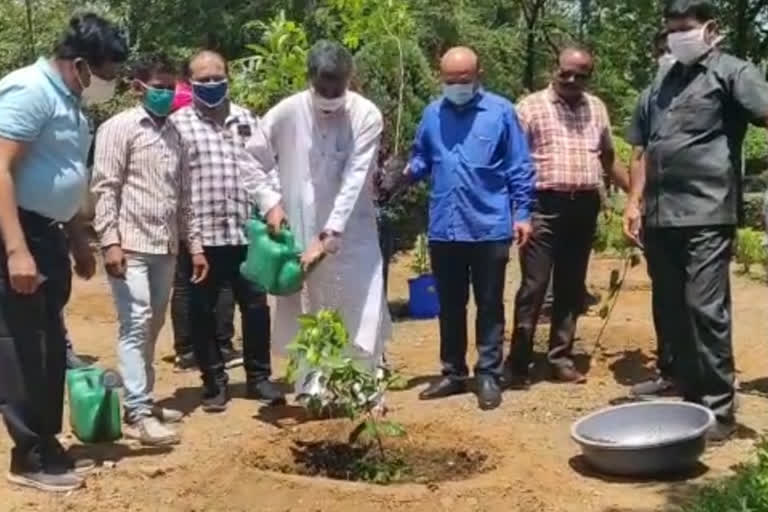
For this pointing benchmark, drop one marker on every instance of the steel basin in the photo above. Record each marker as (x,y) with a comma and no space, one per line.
(644,439)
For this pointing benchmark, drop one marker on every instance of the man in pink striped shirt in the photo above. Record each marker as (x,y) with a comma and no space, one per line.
(143,209)
(569,135)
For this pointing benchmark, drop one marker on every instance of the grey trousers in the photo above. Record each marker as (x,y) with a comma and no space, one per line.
(689,269)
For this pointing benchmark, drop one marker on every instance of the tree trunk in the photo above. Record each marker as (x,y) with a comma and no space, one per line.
(741,29)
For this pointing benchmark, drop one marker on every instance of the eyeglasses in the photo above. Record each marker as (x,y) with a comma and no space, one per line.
(572,75)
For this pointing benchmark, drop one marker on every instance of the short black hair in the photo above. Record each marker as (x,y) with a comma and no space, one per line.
(701,10)
(329,59)
(91,37)
(660,42)
(146,66)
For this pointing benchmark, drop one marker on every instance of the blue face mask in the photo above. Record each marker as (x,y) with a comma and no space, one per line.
(211,94)
(459,94)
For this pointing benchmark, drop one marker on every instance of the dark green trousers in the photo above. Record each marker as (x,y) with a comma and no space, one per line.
(689,269)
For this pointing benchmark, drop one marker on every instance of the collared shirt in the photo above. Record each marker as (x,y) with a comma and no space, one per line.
(692,125)
(566,141)
(38,109)
(480,169)
(216,163)
(142,189)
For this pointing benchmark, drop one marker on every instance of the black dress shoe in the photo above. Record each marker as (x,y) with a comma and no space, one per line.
(445,387)
(514,378)
(488,393)
(265,392)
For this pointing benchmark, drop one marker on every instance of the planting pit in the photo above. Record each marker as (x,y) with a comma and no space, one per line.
(421,456)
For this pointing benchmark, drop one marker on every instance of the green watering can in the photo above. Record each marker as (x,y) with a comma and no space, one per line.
(94,404)
(273,261)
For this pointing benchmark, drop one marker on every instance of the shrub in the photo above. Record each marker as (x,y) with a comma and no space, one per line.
(749,248)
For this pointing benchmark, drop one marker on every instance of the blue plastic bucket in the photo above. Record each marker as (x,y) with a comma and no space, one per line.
(422,297)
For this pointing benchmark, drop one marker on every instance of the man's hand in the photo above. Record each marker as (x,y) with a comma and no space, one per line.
(313,254)
(22,271)
(114,261)
(633,222)
(200,268)
(275,219)
(523,232)
(85,261)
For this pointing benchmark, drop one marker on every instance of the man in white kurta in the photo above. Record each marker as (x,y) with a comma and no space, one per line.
(323,143)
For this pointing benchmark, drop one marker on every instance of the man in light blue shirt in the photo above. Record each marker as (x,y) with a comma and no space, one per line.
(473,149)
(44,141)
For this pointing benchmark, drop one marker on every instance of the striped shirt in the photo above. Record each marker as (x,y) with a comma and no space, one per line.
(217,161)
(566,141)
(143,195)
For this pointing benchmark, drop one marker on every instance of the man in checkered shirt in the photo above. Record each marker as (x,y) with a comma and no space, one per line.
(569,135)
(215,132)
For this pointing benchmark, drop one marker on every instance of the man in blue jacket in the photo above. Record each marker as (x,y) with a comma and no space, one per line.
(471,147)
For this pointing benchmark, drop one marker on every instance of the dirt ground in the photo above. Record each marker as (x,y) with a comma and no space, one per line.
(537,467)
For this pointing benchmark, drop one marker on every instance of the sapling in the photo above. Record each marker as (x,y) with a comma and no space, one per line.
(320,354)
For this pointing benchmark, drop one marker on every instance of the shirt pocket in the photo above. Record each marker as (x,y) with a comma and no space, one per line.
(479,147)
(698,115)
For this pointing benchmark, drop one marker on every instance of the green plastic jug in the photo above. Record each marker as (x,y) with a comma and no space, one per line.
(273,261)
(94,405)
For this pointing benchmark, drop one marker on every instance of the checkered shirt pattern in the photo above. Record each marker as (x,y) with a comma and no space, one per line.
(566,141)
(217,160)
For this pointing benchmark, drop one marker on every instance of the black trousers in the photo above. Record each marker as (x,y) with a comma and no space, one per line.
(225,271)
(689,269)
(180,308)
(563,231)
(32,345)
(483,264)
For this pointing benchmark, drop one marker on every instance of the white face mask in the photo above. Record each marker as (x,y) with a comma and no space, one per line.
(328,105)
(459,94)
(99,91)
(690,46)
(666,61)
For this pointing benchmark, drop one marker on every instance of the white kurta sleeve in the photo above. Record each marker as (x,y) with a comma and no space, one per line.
(364,151)
(260,179)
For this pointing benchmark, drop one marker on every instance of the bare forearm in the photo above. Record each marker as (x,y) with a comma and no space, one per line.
(637,176)
(10,227)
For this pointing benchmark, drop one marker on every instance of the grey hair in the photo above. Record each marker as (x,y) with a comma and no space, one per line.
(330,60)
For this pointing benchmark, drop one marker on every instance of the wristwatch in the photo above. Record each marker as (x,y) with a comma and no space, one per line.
(330,240)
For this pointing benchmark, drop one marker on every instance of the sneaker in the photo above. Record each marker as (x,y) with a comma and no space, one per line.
(43,480)
(150,432)
(74,362)
(653,388)
(167,415)
(185,363)
(232,358)
(57,460)
(215,400)
(265,392)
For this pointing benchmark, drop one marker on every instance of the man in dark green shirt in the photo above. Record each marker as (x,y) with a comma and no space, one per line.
(689,193)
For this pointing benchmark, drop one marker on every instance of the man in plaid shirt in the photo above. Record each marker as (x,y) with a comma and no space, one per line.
(215,132)
(569,135)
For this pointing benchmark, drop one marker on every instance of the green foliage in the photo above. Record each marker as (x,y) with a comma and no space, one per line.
(421,265)
(753,210)
(755,151)
(277,67)
(750,249)
(348,388)
(609,237)
(747,491)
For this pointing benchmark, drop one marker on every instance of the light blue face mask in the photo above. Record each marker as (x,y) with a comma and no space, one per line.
(459,94)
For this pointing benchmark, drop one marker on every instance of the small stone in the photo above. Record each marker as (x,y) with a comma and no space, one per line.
(154,472)
(447,502)
(472,502)
(109,464)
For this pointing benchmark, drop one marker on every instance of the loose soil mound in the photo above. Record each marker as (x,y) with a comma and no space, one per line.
(322,450)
